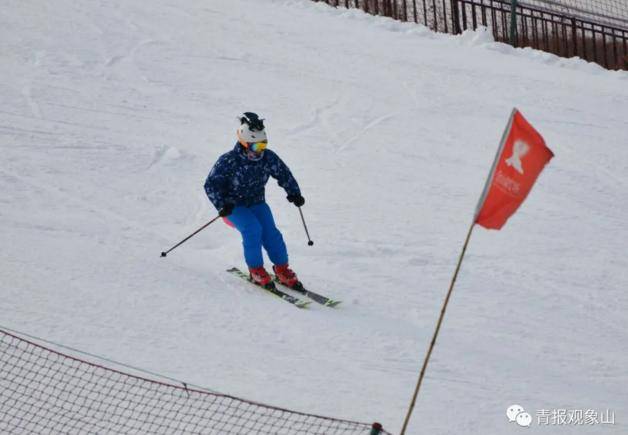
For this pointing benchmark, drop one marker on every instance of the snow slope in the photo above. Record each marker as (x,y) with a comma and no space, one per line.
(112,113)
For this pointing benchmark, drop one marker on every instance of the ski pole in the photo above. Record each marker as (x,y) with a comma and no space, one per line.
(309,241)
(164,253)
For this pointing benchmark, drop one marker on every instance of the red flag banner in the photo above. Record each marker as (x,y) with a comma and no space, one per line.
(521,157)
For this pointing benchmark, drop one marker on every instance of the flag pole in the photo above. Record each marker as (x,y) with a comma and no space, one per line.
(491,173)
(437,330)
(478,207)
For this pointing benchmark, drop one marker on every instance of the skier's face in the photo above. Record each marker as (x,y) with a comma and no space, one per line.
(252,155)
(255,150)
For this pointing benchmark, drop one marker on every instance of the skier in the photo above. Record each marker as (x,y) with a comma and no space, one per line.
(236,187)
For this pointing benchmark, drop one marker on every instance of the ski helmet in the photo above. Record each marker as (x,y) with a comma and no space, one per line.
(251,131)
(252,135)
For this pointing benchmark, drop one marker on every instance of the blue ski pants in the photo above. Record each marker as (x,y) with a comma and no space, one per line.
(257,226)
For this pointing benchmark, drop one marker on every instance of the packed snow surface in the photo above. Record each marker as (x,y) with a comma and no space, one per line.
(113,112)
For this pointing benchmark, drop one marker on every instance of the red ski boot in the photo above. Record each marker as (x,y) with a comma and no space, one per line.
(259,276)
(285,275)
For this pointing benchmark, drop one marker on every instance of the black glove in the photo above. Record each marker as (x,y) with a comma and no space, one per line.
(226,210)
(297,200)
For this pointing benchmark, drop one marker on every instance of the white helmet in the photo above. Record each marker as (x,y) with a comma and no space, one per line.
(251,129)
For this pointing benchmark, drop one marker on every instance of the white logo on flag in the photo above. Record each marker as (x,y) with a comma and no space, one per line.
(519,150)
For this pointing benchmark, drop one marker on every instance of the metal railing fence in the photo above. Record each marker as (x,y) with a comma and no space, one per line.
(566,32)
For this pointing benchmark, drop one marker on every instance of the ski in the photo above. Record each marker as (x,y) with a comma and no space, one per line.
(323,300)
(271,288)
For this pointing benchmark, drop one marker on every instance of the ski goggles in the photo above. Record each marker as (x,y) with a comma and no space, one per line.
(256,147)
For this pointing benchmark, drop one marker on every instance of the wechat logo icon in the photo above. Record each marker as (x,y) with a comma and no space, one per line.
(516,414)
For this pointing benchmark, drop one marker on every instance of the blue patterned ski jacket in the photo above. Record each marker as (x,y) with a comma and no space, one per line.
(236,180)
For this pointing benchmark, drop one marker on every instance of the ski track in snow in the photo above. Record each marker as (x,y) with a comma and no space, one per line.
(112,113)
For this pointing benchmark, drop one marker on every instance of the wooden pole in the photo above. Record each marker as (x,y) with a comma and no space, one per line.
(436,331)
